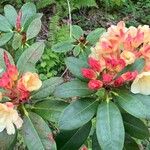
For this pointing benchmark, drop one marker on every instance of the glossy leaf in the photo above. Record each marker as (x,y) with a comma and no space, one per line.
(135,127)
(95,144)
(4,24)
(7,141)
(130,103)
(5,37)
(94,36)
(30,56)
(10,14)
(63,47)
(109,127)
(72,88)
(17,41)
(75,65)
(76,50)
(34,28)
(130,144)
(48,87)
(50,109)
(73,140)
(77,114)
(37,134)
(77,31)
(28,10)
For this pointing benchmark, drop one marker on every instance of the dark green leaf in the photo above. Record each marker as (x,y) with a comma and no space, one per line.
(7,141)
(47,88)
(77,114)
(37,134)
(130,144)
(30,56)
(109,127)
(75,65)
(34,28)
(73,140)
(94,36)
(135,127)
(4,24)
(77,31)
(95,144)
(130,103)
(10,14)
(50,109)
(63,47)
(5,37)
(72,88)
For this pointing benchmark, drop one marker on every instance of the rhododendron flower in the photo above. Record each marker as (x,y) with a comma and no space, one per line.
(107,78)
(30,82)
(119,82)
(128,57)
(9,117)
(129,76)
(89,73)
(95,84)
(141,84)
(94,64)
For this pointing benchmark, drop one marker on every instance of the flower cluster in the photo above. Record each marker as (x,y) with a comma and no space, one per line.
(17,90)
(116,49)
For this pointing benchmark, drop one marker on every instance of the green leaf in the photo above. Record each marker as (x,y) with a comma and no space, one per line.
(36,133)
(4,24)
(75,65)
(77,114)
(95,144)
(48,87)
(73,140)
(130,103)
(109,127)
(137,65)
(2,63)
(76,50)
(94,36)
(28,10)
(7,141)
(135,127)
(17,41)
(130,144)
(30,56)
(5,37)
(77,31)
(34,28)
(62,47)
(10,14)
(72,88)
(50,109)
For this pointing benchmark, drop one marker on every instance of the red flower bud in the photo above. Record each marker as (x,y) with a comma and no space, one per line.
(18,21)
(6,59)
(88,73)
(118,82)
(94,64)
(107,78)
(95,84)
(129,76)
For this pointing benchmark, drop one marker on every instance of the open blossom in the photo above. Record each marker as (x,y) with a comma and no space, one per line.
(9,117)
(30,82)
(141,84)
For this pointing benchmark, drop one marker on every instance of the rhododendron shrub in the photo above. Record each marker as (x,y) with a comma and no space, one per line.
(25,101)
(111,87)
